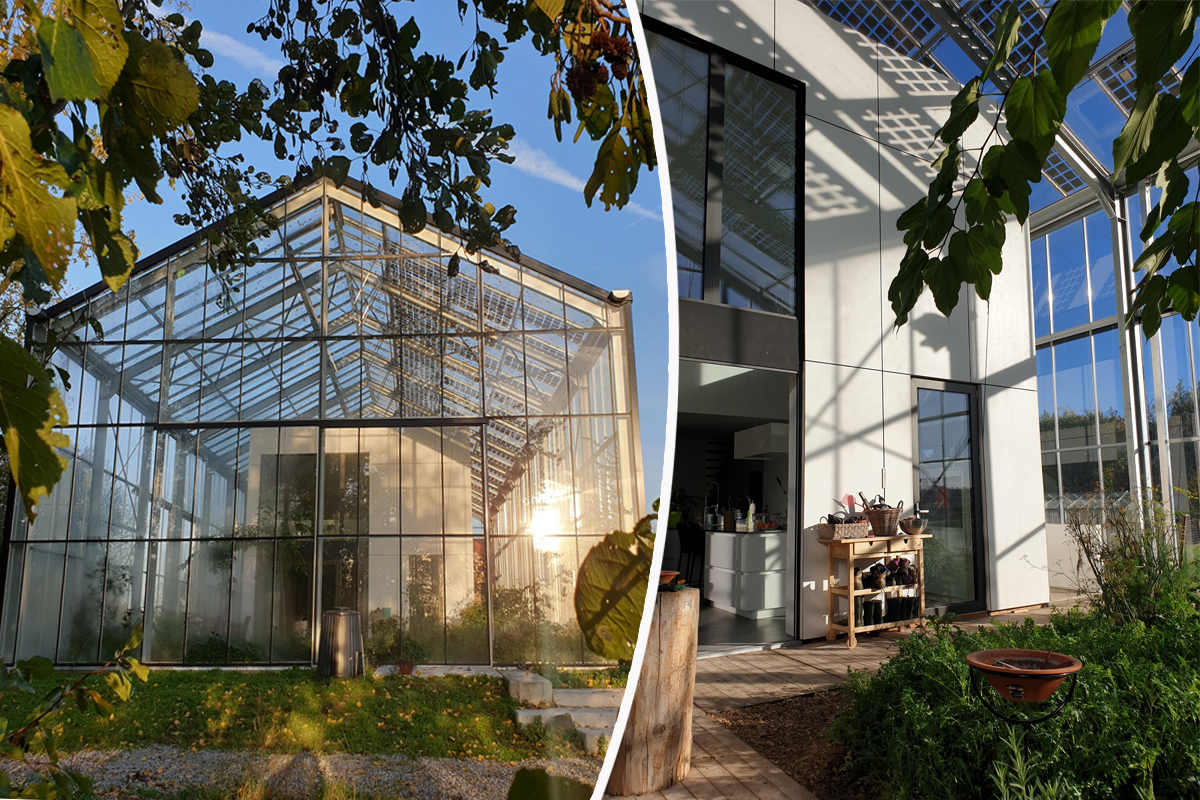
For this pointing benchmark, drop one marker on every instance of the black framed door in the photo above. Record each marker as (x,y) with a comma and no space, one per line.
(948,485)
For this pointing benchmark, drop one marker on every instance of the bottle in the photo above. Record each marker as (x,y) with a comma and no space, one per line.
(750,518)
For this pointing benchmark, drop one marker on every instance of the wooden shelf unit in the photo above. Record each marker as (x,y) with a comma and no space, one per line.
(873,549)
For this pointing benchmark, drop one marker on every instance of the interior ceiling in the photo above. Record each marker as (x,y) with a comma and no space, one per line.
(952,35)
(710,426)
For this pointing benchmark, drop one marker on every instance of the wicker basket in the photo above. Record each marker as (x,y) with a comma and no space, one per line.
(884,521)
(851,530)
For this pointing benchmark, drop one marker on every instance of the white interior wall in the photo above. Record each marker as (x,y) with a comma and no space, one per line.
(858,418)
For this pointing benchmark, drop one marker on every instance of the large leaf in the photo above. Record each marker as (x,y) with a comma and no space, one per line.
(1071,36)
(1008,170)
(614,174)
(1035,111)
(30,412)
(964,109)
(1183,288)
(908,284)
(114,251)
(1189,94)
(1168,136)
(1134,139)
(1173,182)
(157,91)
(101,25)
(1008,33)
(610,595)
(70,74)
(944,282)
(976,258)
(45,222)
(1162,33)
(1149,302)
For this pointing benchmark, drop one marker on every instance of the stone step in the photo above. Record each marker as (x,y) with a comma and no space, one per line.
(592,738)
(528,688)
(589,698)
(581,717)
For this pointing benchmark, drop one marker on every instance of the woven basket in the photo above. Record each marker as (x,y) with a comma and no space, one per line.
(852,530)
(884,521)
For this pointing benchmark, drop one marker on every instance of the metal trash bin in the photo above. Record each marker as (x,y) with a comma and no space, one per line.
(340,649)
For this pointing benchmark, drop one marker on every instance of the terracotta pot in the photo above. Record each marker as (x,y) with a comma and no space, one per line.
(405,667)
(1024,676)
(666,577)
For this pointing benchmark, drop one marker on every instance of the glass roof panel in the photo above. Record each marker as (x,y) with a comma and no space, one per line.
(1092,116)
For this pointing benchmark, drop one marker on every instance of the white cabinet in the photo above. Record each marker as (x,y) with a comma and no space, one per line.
(746,573)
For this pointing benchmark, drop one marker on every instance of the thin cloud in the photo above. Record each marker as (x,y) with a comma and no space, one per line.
(252,59)
(541,165)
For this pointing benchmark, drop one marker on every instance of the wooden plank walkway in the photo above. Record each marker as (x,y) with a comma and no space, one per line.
(723,766)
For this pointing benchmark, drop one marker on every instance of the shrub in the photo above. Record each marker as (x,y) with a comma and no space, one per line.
(1141,568)
(918,730)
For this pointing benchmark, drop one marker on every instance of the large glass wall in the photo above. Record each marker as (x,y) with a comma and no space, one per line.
(340,424)
(732,144)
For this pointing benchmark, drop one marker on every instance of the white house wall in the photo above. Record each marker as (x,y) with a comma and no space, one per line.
(858,370)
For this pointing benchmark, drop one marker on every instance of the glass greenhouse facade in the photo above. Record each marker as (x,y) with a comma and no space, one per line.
(341,424)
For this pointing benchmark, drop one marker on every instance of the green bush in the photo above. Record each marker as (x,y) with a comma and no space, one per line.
(1133,726)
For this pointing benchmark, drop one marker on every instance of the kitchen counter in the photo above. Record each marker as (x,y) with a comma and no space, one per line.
(745,572)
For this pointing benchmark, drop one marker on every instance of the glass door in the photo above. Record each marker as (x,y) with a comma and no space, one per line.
(947,479)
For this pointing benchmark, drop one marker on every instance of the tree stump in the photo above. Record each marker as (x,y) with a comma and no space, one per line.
(656,751)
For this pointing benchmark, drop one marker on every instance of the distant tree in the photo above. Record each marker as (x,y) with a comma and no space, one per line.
(100,98)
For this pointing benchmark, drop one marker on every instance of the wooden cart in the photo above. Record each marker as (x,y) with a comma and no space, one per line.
(873,549)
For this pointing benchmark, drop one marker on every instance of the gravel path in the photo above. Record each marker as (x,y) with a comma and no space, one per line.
(298,776)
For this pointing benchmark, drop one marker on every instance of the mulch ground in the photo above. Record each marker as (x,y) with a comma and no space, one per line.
(791,735)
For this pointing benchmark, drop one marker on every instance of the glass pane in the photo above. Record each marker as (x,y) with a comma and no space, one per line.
(41,600)
(461,395)
(1100,264)
(591,384)
(167,601)
(1041,287)
(946,489)
(504,375)
(208,603)
(1080,476)
(1076,393)
(1186,494)
(681,78)
(1050,488)
(1110,393)
(91,495)
(342,575)
(1095,119)
(462,486)
(514,622)
(424,602)
(1045,384)
(466,600)
(124,592)
(422,365)
(292,624)
(758,200)
(382,637)
(12,602)
(545,373)
(1068,276)
(250,593)
(421,481)
(1178,383)
(380,449)
(1116,472)
(79,637)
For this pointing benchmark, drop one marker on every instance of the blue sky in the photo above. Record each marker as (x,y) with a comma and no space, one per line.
(615,250)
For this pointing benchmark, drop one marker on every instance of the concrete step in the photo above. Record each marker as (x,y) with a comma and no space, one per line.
(592,738)
(589,698)
(580,716)
(529,688)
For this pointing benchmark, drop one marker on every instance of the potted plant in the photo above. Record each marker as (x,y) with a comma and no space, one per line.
(1024,676)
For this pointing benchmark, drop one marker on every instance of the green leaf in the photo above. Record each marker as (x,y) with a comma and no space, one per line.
(1168,136)
(1162,33)
(943,280)
(909,283)
(1071,35)
(914,220)
(102,27)
(615,172)
(551,8)
(68,65)
(1156,254)
(980,207)
(114,251)
(976,256)
(1035,111)
(38,668)
(1150,299)
(1183,288)
(157,92)
(119,683)
(947,165)
(596,115)
(454,266)
(1185,226)
(1008,170)
(1173,182)
(941,220)
(1189,94)
(1008,33)
(30,412)
(44,222)
(538,784)
(1134,139)
(610,595)
(964,109)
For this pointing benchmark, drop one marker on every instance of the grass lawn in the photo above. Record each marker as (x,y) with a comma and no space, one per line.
(607,678)
(453,716)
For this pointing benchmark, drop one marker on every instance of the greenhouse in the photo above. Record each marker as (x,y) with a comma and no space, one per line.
(342,424)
